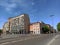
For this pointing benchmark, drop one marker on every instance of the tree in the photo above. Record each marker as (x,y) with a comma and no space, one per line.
(0,32)
(45,29)
(58,26)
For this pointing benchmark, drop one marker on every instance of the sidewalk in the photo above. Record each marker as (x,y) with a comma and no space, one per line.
(8,36)
(4,36)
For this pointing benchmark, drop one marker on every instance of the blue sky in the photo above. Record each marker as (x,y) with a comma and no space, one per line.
(38,10)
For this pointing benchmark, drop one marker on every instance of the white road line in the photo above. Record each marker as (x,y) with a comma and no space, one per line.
(4,43)
(53,40)
(12,42)
(17,41)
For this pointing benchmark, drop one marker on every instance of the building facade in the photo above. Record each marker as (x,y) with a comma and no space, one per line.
(6,27)
(19,24)
(36,28)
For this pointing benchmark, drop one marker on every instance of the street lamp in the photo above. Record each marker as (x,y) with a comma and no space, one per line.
(52,21)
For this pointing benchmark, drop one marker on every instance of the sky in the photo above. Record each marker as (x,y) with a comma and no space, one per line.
(38,10)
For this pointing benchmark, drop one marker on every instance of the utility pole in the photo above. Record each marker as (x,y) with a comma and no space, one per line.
(52,21)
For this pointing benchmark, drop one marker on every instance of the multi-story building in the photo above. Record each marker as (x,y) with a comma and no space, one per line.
(53,30)
(36,28)
(6,27)
(19,24)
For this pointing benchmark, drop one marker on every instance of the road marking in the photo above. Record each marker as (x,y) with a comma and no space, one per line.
(54,38)
(17,40)
(4,43)
(12,42)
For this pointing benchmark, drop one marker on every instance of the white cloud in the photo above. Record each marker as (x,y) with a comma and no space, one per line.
(7,5)
(10,5)
(8,9)
(33,3)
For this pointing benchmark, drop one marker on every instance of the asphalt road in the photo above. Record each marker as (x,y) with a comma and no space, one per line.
(56,40)
(42,39)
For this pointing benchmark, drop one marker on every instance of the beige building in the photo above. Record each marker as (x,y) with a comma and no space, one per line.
(19,24)
(5,27)
(36,28)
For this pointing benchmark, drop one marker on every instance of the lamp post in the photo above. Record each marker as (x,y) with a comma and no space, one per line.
(52,21)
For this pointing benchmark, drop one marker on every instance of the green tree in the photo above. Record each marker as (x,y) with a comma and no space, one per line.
(45,29)
(58,26)
(0,32)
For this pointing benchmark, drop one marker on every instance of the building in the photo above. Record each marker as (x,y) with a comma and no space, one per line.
(36,28)
(6,27)
(19,24)
(52,30)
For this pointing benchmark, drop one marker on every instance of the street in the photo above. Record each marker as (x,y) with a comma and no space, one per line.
(56,41)
(42,39)
(29,22)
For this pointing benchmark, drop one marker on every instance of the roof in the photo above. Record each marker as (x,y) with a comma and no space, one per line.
(17,16)
(37,22)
